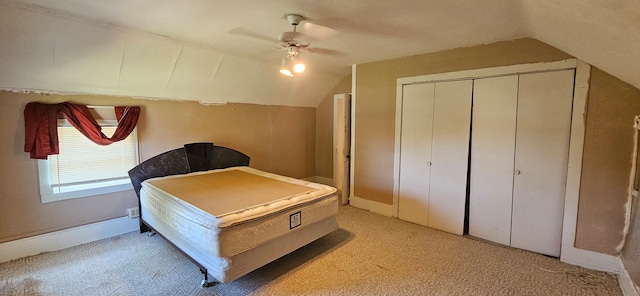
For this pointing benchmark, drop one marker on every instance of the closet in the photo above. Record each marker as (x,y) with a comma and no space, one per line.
(434,145)
(519,155)
(487,148)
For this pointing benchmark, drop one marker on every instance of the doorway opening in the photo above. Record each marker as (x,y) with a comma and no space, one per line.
(342,145)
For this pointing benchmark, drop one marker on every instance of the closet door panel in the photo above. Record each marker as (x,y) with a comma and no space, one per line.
(415,152)
(492,158)
(451,127)
(542,149)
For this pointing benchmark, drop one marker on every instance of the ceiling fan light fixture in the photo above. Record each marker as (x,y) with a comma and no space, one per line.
(286,67)
(299,67)
(292,63)
(298,64)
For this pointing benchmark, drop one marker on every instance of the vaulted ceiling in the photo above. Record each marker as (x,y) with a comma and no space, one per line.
(218,51)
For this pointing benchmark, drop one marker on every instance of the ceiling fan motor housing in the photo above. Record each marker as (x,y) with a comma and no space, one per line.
(294,19)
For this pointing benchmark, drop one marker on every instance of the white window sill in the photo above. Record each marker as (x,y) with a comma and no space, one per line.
(79,193)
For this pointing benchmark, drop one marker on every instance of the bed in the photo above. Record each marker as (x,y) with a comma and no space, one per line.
(228,218)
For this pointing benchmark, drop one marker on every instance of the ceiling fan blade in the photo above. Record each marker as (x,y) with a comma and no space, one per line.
(325,51)
(252,34)
(318,32)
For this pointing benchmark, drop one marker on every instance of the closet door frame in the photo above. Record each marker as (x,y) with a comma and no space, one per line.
(569,253)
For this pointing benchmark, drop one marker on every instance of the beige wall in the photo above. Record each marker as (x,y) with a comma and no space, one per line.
(278,139)
(630,254)
(376,99)
(606,169)
(324,129)
(606,165)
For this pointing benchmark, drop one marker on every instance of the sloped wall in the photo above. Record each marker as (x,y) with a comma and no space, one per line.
(44,52)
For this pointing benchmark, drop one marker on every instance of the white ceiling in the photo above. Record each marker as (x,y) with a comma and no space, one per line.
(218,51)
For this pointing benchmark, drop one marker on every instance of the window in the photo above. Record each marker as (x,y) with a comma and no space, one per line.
(84,168)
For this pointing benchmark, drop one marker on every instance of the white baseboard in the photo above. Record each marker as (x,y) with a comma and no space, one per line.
(66,238)
(590,259)
(373,206)
(321,180)
(626,284)
(601,262)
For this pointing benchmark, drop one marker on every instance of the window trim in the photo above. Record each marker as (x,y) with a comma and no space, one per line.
(635,166)
(47,194)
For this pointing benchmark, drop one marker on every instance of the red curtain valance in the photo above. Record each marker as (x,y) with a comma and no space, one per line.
(41,127)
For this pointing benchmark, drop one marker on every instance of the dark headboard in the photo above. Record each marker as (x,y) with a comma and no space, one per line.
(203,156)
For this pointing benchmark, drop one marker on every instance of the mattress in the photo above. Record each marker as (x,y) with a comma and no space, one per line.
(215,216)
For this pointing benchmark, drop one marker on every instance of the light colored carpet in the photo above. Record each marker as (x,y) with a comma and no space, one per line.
(369,255)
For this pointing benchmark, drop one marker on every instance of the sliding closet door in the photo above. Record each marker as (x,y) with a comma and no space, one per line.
(492,155)
(450,148)
(542,149)
(415,152)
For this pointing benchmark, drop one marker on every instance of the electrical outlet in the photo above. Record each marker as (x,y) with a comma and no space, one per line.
(133,213)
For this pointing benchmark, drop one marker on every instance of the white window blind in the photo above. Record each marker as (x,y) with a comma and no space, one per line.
(84,168)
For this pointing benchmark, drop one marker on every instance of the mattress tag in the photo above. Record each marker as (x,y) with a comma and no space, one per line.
(295,220)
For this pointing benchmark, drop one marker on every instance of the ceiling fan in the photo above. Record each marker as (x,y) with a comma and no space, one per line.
(310,30)
(294,41)
(292,63)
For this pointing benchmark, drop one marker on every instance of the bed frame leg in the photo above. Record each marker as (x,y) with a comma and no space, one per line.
(205,282)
